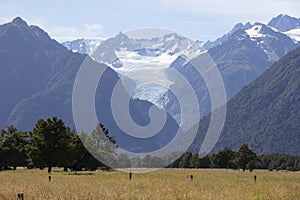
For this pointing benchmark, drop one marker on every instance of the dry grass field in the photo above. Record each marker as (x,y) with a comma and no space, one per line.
(162,184)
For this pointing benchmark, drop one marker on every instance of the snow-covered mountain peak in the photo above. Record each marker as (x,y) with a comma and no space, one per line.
(83,46)
(146,61)
(173,36)
(259,30)
(121,36)
(285,23)
(255,32)
(273,42)
(241,26)
(225,37)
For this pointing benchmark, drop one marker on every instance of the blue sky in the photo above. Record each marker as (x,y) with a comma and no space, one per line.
(198,19)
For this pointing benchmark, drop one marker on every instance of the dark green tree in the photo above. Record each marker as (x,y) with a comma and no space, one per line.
(297,164)
(136,162)
(12,147)
(204,162)
(84,159)
(185,160)
(103,145)
(224,158)
(156,162)
(146,161)
(123,161)
(52,144)
(195,161)
(245,157)
(93,148)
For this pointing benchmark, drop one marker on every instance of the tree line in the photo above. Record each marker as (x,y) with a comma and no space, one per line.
(244,158)
(52,144)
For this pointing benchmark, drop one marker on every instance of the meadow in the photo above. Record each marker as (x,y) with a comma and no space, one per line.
(162,184)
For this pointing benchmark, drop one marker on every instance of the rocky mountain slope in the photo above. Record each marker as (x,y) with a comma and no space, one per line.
(265,114)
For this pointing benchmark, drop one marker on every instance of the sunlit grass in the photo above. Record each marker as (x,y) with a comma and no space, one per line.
(162,184)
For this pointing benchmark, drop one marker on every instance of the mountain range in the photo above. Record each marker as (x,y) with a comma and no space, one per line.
(38,73)
(37,78)
(83,46)
(240,55)
(285,24)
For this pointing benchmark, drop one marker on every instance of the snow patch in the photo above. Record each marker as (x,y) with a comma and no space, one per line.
(148,72)
(254,32)
(294,34)
(143,67)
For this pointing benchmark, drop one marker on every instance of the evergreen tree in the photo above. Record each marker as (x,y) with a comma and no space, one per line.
(12,147)
(93,148)
(146,161)
(185,160)
(224,158)
(204,162)
(123,161)
(245,157)
(156,162)
(52,144)
(194,161)
(84,159)
(102,145)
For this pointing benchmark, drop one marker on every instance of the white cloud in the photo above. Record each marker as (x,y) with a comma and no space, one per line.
(4,20)
(61,33)
(93,30)
(254,7)
(38,21)
(193,17)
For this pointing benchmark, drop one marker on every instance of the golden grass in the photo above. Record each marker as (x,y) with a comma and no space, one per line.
(163,184)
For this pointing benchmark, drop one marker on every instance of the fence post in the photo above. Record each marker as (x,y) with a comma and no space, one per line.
(255,178)
(20,196)
(130,175)
(49,177)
